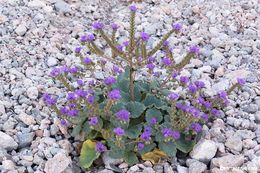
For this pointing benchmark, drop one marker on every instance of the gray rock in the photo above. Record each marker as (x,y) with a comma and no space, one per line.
(234,143)
(257,116)
(25,139)
(158,168)
(36,4)
(107,160)
(32,92)
(26,119)
(62,6)
(251,108)
(182,169)
(204,150)
(21,30)
(7,142)
(8,165)
(148,170)
(106,171)
(196,166)
(58,163)
(52,62)
(9,124)
(3,154)
(167,168)
(228,161)
(245,134)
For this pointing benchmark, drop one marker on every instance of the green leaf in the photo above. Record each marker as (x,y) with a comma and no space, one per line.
(150,113)
(131,158)
(117,153)
(147,148)
(151,100)
(88,154)
(184,145)
(76,130)
(168,147)
(134,131)
(135,108)
(142,86)
(118,106)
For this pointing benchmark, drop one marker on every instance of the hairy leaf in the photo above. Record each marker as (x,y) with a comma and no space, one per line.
(130,158)
(135,108)
(168,147)
(88,154)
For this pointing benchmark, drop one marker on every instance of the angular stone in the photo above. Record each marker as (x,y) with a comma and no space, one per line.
(7,142)
(204,150)
(26,119)
(196,166)
(58,163)
(25,139)
(182,169)
(229,160)
(32,92)
(8,165)
(21,30)
(234,143)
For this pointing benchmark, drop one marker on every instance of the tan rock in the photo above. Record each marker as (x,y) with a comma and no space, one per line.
(229,160)
(27,119)
(58,163)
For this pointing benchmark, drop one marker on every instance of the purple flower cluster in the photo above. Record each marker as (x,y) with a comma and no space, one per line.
(169,133)
(69,110)
(132,8)
(188,109)
(90,99)
(123,115)
(199,84)
(114,94)
(184,79)
(100,147)
(177,26)
(194,50)
(150,66)
(241,81)
(49,100)
(203,102)
(173,96)
(146,135)
(115,26)
(167,61)
(144,36)
(116,69)
(192,88)
(73,70)
(87,60)
(153,121)
(119,47)
(215,112)
(98,25)
(55,72)
(119,131)
(109,81)
(80,82)
(205,117)
(140,146)
(196,127)
(78,49)
(86,38)
(93,121)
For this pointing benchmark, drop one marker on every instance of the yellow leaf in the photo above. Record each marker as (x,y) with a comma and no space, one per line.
(88,153)
(154,156)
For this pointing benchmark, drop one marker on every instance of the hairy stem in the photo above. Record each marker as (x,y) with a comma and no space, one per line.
(132,32)
(131,76)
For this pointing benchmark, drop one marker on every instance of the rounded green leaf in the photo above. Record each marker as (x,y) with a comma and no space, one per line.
(168,147)
(150,113)
(135,108)
(131,158)
(134,131)
(88,154)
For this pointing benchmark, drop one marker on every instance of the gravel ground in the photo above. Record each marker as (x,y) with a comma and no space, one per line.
(40,34)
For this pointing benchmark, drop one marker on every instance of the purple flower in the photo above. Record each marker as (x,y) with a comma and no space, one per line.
(116,69)
(87,60)
(90,91)
(132,8)
(90,99)
(184,79)
(207,104)
(51,101)
(144,36)
(177,26)
(153,121)
(157,74)
(114,26)
(174,75)
(146,135)
(176,135)
(140,146)
(119,48)
(98,25)
(71,96)
(205,117)
(123,115)
(83,38)
(222,94)
(63,122)
(93,121)
(55,72)
(80,82)
(73,70)
(90,37)
(195,112)
(119,131)
(126,43)
(81,93)
(73,112)
(241,81)
(78,49)
(147,129)
(194,49)
(200,100)
(166,43)
(64,110)
(192,88)
(91,83)
(199,84)
(166,132)
(173,96)
(179,105)
(215,112)
(196,127)
(167,61)
(150,66)
(109,80)
(65,69)
(100,147)
(151,59)
(114,94)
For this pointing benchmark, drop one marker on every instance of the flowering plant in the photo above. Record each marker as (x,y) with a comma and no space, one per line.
(143,103)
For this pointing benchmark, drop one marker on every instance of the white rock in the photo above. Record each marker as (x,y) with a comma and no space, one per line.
(58,163)
(182,169)
(234,143)
(26,119)
(36,4)
(148,170)
(7,142)
(229,160)
(21,30)
(204,150)
(196,166)
(52,62)
(8,165)
(32,92)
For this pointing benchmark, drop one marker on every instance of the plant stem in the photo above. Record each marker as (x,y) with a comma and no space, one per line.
(132,94)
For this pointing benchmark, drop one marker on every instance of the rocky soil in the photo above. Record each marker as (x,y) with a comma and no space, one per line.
(37,35)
